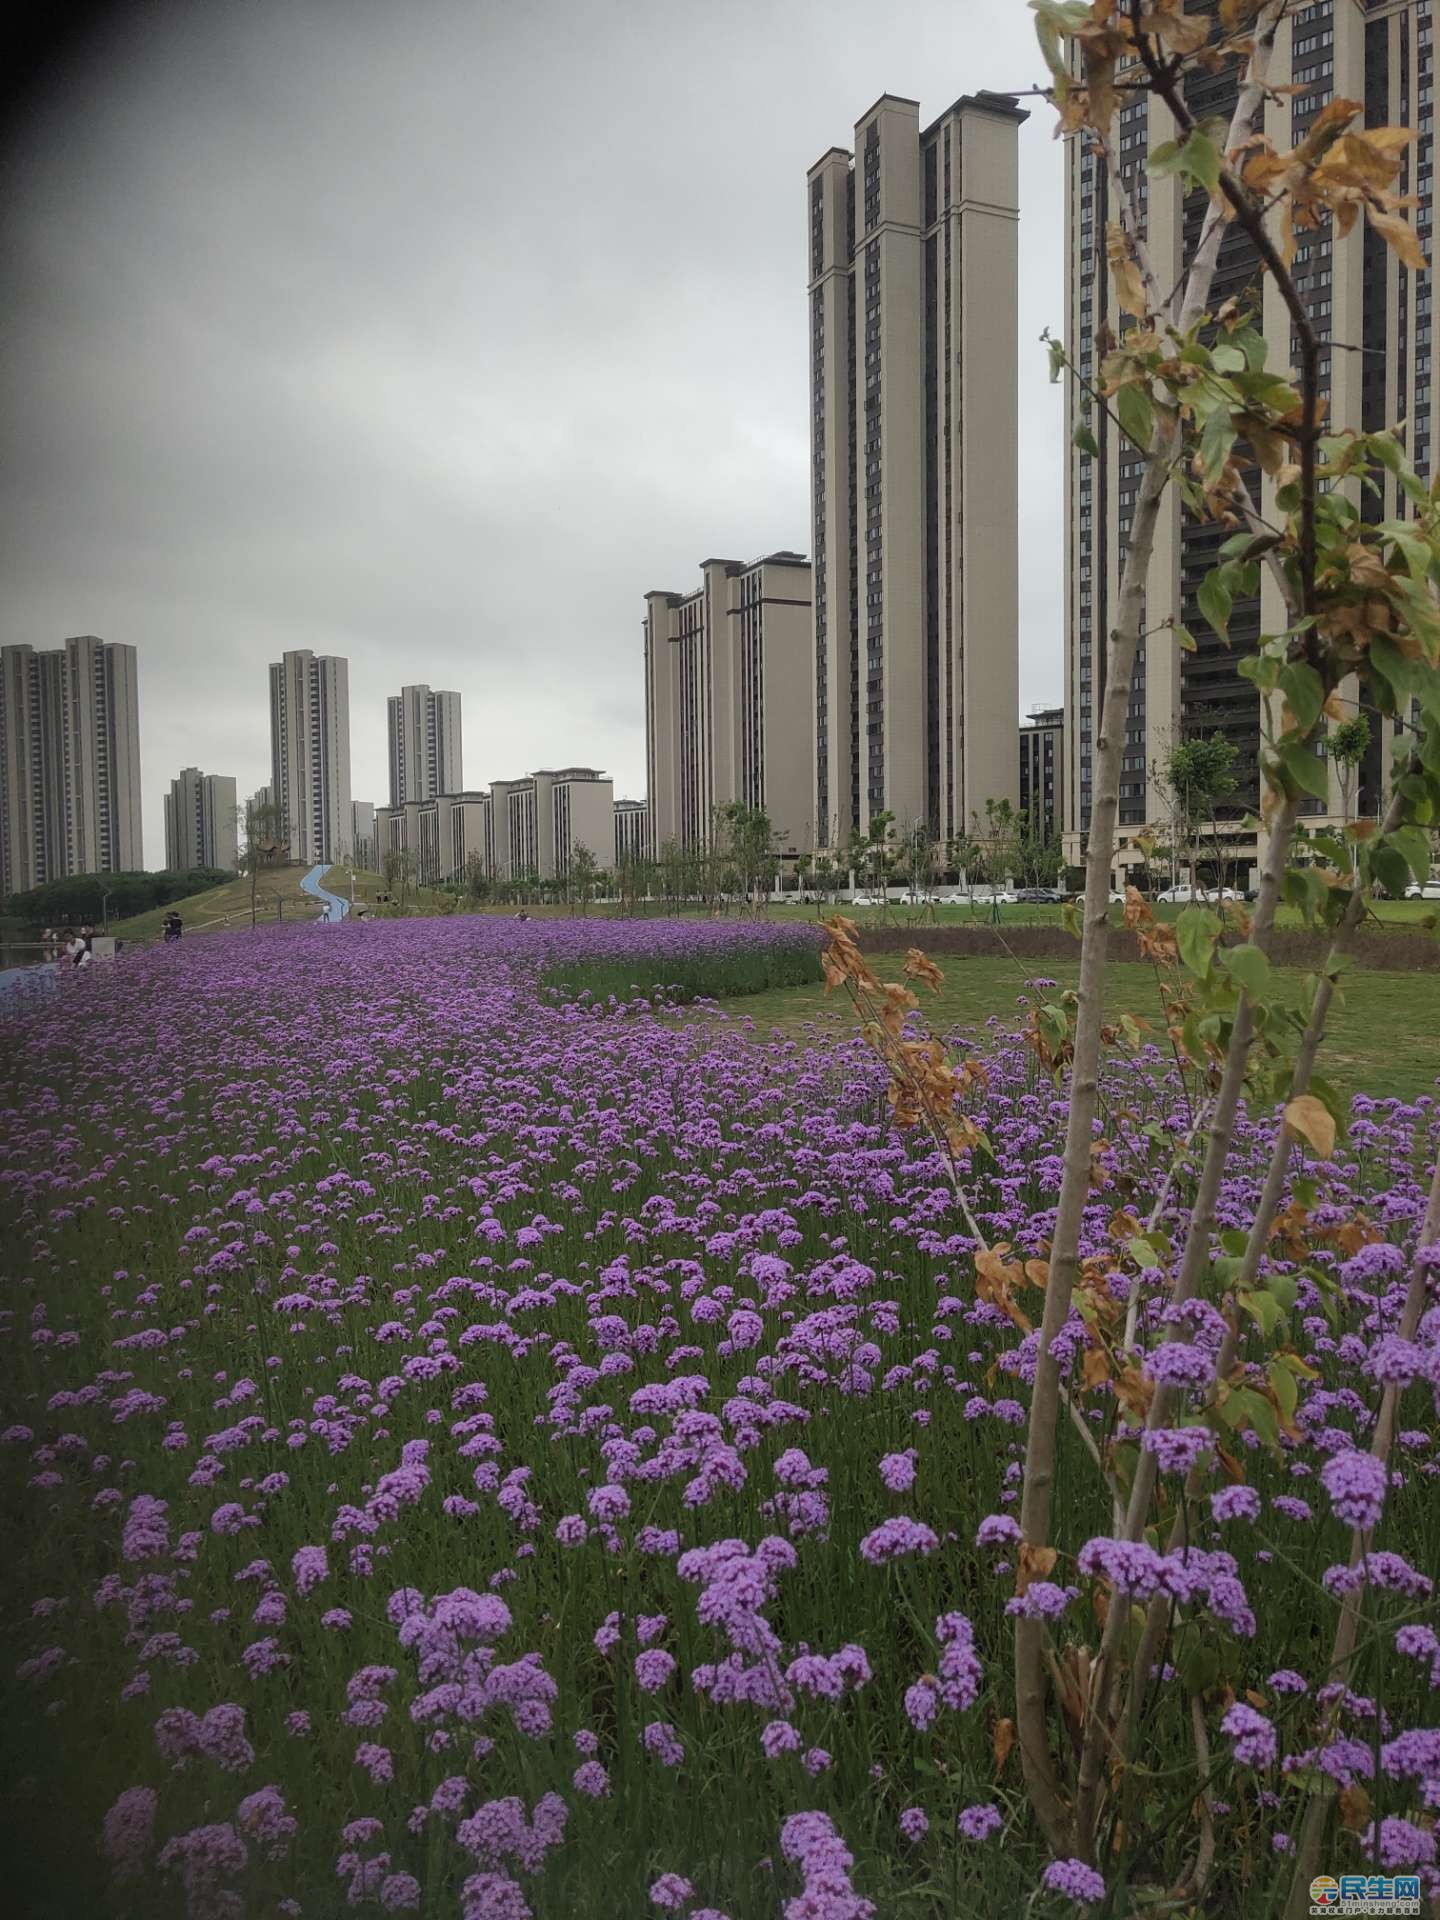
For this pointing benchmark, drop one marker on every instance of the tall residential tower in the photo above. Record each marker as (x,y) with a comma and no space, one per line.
(1373,317)
(424,745)
(69,762)
(200,821)
(310,753)
(914,476)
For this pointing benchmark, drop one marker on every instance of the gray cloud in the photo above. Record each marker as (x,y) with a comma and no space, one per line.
(434,335)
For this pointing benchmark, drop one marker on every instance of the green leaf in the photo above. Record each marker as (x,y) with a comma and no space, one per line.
(1249,966)
(1285,1387)
(1414,844)
(1136,411)
(1257,1413)
(1196,931)
(1085,440)
(1056,349)
(1304,690)
(1165,158)
(1306,769)
(1216,441)
(1184,639)
(1282,1285)
(1234,1240)
(1228,359)
(1215,602)
(1391,869)
(1200,158)
(1142,1253)
(1264,1309)
(1199,1667)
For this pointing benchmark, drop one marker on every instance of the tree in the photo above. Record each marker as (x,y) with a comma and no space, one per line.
(1198,399)
(263,822)
(475,881)
(580,879)
(744,847)
(1347,745)
(1199,774)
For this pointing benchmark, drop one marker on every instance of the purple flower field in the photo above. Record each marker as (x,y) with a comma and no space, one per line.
(472,1452)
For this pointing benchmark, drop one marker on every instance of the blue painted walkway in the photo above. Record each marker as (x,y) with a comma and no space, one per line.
(335,908)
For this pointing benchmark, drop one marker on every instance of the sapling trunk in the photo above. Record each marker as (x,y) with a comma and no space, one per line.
(1307,1852)
(1030,1674)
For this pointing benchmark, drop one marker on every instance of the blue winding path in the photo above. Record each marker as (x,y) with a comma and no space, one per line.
(335,908)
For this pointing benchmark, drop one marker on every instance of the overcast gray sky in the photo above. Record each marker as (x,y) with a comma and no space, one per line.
(433,333)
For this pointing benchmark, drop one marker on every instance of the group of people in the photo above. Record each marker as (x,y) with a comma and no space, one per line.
(70,948)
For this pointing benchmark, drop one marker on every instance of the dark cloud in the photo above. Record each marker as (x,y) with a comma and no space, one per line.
(434,335)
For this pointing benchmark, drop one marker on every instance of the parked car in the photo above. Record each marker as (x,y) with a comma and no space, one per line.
(1040,896)
(1423,890)
(1188,896)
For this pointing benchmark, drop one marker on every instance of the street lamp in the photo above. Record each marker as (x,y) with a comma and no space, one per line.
(105,909)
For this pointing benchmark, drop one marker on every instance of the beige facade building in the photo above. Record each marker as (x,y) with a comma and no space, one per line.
(529,829)
(1359,297)
(914,478)
(632,833)
(363,847)
(729,701)
(200,821)
(425,750)
(470,824)
(310,753)
(69,762)
(548,818)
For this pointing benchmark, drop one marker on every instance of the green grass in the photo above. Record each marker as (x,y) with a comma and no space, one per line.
(738,972)
(1423,915)
(278,896)
(1383,1040)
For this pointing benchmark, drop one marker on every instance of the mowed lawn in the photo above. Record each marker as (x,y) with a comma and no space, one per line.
(1383,1040)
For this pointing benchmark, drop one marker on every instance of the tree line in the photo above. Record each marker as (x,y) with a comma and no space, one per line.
(94,897)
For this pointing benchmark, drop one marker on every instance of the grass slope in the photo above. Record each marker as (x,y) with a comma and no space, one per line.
(1384,1040)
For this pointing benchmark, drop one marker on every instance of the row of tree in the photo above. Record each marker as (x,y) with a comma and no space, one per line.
(742,865)
(97,897)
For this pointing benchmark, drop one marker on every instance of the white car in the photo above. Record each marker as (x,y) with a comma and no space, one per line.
(1428,890)
(1187,896)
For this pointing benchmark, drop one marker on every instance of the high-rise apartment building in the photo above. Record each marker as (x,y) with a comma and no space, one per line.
(729,700)
(425,755)
(1042,756)
(914,477)
(200,824)
(1374,319)
(310,753)
(69,762)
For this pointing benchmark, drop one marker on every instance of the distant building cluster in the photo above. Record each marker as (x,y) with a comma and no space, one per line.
(877,676)
(881,675)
